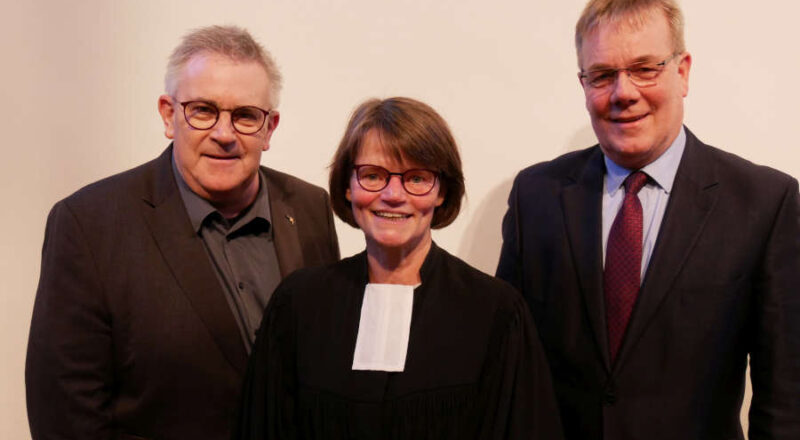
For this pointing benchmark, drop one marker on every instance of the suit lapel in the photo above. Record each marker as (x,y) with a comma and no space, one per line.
(692,200)
(183,252)
(284,223)
(581,201)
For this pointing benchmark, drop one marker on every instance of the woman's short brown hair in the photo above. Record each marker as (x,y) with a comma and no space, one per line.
(410,131)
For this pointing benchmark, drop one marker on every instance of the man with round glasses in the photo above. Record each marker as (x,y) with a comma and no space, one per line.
(153,281)
(654,264)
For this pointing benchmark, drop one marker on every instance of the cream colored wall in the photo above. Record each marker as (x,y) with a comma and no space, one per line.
(80,81)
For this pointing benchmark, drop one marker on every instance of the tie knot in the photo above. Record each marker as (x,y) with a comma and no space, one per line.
(634,182)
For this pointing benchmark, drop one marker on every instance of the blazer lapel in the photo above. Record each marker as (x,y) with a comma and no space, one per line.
(692,200)
(183,252)
(284,223)
(582,204)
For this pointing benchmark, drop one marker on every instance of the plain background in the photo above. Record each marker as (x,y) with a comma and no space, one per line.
(79,84)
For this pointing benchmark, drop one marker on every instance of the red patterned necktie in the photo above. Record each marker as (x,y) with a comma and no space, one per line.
(621,278)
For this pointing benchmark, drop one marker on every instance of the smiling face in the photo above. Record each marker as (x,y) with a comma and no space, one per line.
(219,164)
(635,125)
(392,219)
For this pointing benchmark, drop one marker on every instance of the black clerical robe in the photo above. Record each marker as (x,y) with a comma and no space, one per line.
(474,367)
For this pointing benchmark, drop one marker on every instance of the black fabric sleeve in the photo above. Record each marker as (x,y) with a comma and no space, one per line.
(68,370)
(775,356)
(520,401)
(269,391)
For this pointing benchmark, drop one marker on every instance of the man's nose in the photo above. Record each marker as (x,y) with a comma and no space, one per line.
(223,131)
(623,90)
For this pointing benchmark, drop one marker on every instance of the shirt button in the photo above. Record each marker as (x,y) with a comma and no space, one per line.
(241,285)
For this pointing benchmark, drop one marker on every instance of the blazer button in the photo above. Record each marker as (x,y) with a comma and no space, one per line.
(609,398)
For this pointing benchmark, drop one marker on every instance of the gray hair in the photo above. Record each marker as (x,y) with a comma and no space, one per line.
(231,41)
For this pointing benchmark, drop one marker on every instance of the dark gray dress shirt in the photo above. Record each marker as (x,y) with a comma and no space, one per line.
(242,251)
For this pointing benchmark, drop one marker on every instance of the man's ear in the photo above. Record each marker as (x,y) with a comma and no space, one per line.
(167,111)
(273,119)
(684,65)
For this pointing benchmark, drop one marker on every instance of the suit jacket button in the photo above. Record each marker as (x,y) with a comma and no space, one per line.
(609,398)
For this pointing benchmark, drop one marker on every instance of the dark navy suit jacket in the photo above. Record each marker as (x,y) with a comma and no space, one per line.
(723,283)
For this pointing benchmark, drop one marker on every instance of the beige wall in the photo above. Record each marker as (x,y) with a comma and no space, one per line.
(80,81)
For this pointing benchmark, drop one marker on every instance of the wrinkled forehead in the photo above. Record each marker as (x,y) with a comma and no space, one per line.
(221,75)
(215,62)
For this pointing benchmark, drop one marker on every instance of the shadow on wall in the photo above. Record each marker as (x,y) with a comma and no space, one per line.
(482,239)
(581,139)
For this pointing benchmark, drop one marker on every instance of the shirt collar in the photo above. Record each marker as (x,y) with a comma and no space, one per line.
(199,208)
(662,171)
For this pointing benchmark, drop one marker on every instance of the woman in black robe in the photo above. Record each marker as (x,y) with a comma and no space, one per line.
(404,340)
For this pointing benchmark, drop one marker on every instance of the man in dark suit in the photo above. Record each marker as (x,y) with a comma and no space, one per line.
(654,264)
(153,281)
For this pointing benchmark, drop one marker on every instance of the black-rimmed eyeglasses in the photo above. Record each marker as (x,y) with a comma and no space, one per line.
(374,178)
(203,115)
(641,74)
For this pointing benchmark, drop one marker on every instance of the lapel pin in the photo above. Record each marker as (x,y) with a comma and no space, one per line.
(290,219)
